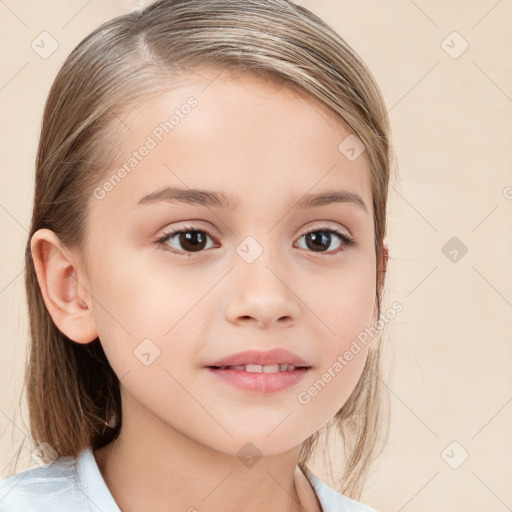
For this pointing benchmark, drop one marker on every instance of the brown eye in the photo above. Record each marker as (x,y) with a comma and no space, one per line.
(321,239)
(185,240)
(191,239)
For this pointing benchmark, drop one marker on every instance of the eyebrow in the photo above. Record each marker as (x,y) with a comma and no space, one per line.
(210,198)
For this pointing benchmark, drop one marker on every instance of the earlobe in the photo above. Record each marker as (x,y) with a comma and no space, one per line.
(63,287)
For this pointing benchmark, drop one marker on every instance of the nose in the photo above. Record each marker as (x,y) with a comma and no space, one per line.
(262,293)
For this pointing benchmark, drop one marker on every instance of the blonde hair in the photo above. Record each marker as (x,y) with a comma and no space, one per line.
(72,392)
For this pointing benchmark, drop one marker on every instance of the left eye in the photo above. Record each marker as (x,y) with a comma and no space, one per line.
(193,239)
(321,238)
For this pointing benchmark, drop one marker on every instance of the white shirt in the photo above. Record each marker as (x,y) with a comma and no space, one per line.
(77,485)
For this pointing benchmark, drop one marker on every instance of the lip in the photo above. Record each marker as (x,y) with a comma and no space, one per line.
(259,383)
(268,357)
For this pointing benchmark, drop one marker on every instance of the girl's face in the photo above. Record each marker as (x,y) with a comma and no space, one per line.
(263,272)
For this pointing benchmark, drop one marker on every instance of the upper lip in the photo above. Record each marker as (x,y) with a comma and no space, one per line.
(269,357)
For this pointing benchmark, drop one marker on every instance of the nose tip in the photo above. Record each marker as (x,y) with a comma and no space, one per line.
(261,288)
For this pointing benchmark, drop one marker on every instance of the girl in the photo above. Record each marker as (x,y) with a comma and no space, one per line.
(205,265)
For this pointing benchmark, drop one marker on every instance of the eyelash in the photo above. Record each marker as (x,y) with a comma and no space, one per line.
(347,241)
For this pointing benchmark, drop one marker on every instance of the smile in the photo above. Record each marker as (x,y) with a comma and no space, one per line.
(260,368)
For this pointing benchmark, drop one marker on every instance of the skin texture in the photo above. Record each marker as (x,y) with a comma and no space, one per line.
(267,145)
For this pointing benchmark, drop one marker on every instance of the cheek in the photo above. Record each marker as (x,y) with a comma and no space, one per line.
(344,352)
(341,303)
(142,292)
(342,322)
(144,310)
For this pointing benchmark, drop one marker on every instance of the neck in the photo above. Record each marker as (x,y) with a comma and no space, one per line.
(154,467)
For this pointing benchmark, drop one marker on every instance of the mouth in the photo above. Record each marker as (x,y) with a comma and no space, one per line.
(261,368)
(259,372)
(257,379)
(257,361)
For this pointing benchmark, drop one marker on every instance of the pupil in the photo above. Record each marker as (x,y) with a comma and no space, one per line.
(322,238)
(191,239)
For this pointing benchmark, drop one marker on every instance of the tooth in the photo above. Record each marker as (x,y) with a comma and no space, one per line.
(254,368)
(261,368)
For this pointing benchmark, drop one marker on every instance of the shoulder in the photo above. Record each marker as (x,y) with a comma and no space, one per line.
(49,487)
(333,501)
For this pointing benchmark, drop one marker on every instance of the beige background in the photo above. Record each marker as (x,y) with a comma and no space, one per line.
(449,352)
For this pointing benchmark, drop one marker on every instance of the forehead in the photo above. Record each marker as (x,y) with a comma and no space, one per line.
(255,139)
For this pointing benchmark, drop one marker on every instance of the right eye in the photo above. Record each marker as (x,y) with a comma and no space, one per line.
(191,238)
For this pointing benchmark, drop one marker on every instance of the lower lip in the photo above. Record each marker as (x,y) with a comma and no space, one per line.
(260,383)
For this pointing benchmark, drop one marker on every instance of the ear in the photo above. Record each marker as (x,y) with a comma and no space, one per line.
(64,287)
